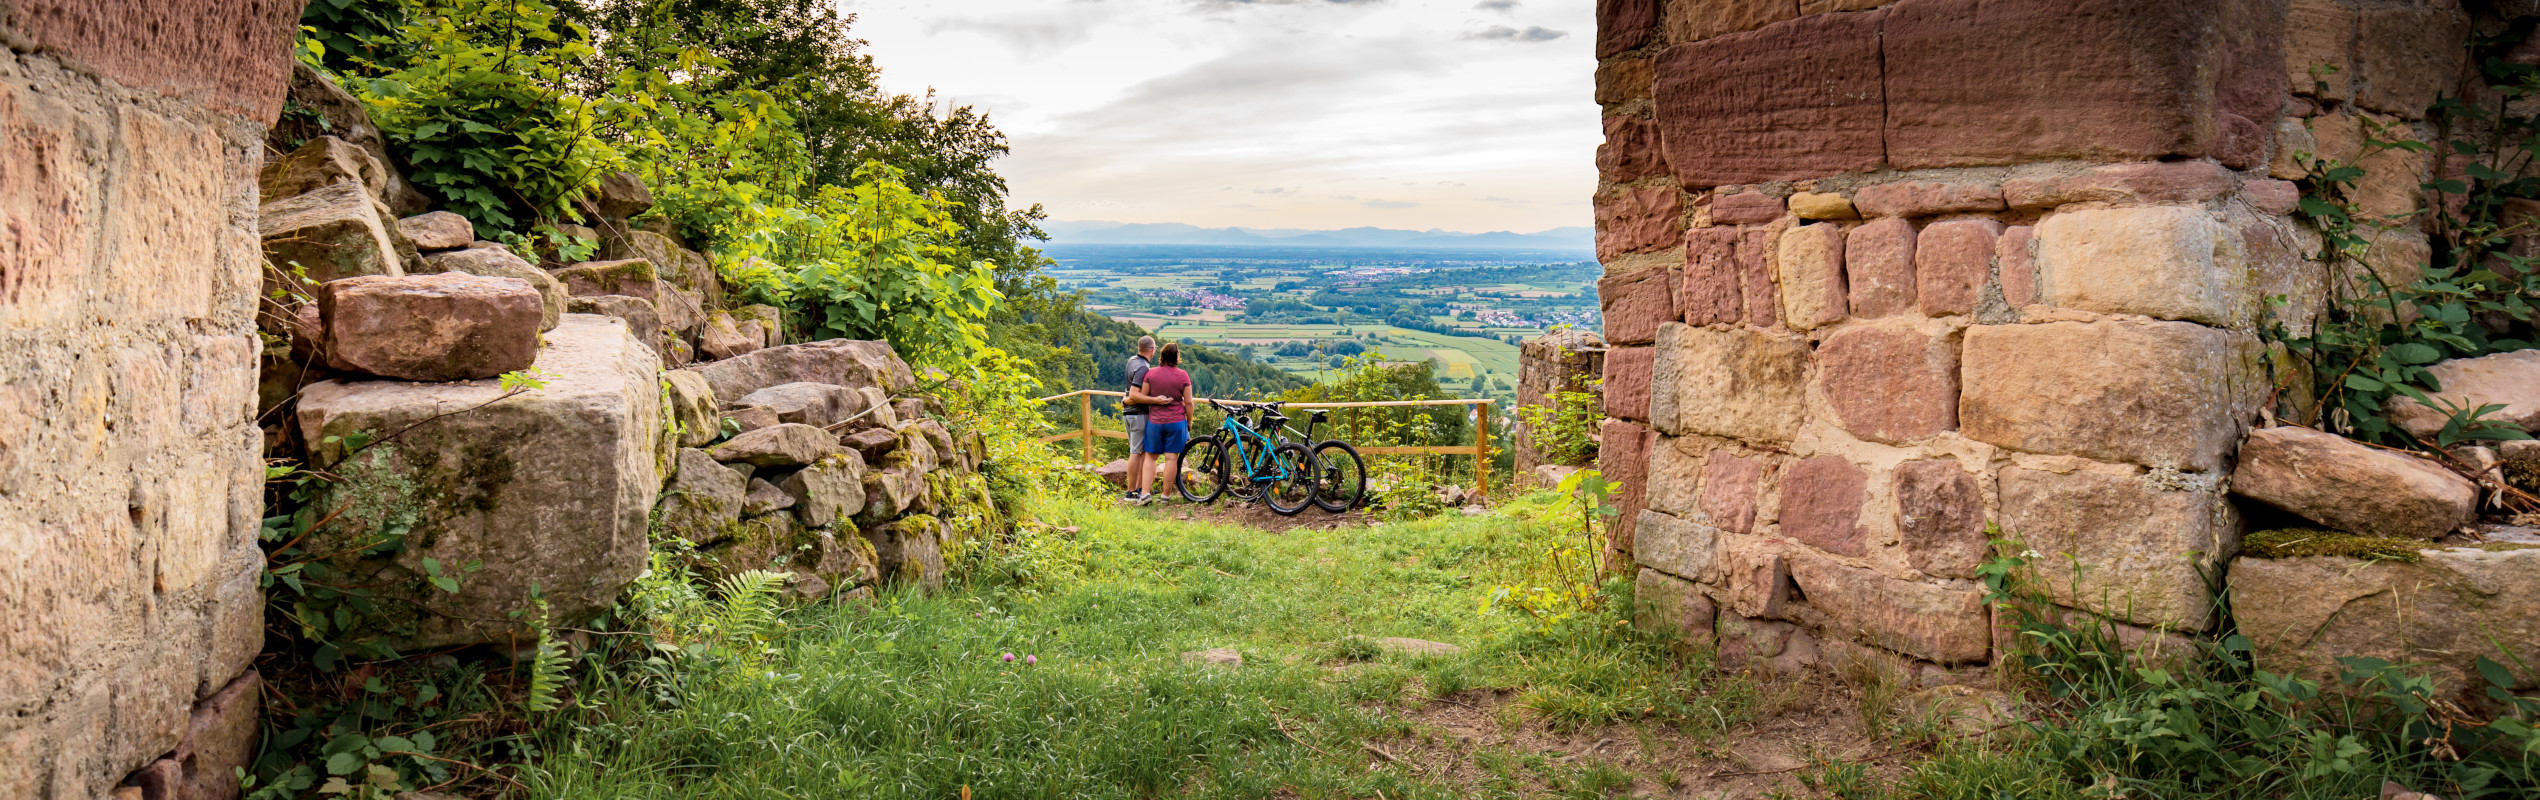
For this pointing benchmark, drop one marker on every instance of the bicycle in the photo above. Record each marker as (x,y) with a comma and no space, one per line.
(1340,476)
(1279,473)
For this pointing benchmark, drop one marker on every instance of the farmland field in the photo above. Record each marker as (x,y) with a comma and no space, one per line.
(1305,310)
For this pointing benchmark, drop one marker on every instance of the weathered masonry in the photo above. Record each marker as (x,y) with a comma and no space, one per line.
(130,490)
(1880,274)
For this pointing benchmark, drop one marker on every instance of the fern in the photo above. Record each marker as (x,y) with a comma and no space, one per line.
(546,669)
(749,608)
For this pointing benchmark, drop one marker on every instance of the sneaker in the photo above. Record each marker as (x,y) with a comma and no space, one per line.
(1130,496)
(1149,498)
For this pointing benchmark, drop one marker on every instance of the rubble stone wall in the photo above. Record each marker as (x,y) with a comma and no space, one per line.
(130,137)
(1878,274)
(1569,360)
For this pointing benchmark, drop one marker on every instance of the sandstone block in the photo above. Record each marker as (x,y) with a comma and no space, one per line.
(631,277)
(1675,478)
(910,550)
(1758,579)
(1952,263)
(842,362)
(783,445)
(770,318)
(1811,276)
(1730,485)
(2143,544)
(2319,33)
(1711,292)
(1940,517)
(2273,198)
(1670,606)
(445,327)
(2510,379)
(807,403)
(221,739)
(764,497)
(1745,208)
(1821,505)
(1624,25)
(1890,384)
(2340,483)
(335,112)
(324,160)
(2457,605)
(1622,80)
(551,486)
(334,231)
(702,503)
(1925,198)
(1623,456)
(1636,304)
(2169,262)
(2018,268)
(1696,20)
(1636,219)
(1675,546)
(2155,182)
(846,563)
(1878,274)
(636,312)
(1822,205)
(621,195)
(829,492)
(692,408)
(1630,151)
(669,260)
(1742,384)
(2407,57)
(498,262)
(2136,81)
(888,492)
(720,338)
(877,442)
(2151,393)
(439,230)
(1756,279)
(2393,179)
(1628,371)
(1788,102)
(1945,625)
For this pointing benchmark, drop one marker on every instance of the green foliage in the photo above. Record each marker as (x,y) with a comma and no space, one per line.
(1402,486)
(474,99)
(2382,328)
(2119,722)
(876,262)
(1565,432)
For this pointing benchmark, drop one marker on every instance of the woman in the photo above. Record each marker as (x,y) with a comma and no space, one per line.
(1168,422)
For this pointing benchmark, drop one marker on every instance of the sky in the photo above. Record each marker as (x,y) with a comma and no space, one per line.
(1462,115)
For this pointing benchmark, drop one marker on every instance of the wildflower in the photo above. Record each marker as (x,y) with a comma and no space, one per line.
(1031,659)
(1009,657)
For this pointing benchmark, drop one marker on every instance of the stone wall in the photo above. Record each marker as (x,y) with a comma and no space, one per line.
(1881,273)
(1570,360)
(129,483)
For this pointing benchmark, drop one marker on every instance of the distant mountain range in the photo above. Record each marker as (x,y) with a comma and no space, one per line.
(1065,232)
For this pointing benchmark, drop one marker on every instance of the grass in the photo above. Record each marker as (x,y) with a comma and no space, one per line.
(912,697)
(2295,542)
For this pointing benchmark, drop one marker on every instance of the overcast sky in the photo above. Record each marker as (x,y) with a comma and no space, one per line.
(1466,115)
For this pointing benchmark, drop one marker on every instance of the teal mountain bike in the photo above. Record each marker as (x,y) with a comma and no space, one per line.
(1245,462)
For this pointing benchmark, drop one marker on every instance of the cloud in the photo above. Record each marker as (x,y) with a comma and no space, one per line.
(1214,4)
(1389,204)
(1033,33)
(1532,33)
(1501,6)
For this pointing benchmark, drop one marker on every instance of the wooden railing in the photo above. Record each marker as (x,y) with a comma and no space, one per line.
(1479,449)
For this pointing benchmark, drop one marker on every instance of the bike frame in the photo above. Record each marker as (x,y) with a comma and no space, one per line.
(1240,437)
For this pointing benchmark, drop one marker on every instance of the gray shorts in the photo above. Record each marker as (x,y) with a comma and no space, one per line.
(1137,426)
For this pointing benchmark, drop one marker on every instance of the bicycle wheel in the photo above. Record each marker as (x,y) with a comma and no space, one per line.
(1340,476)
(1292,489)
(1203,466)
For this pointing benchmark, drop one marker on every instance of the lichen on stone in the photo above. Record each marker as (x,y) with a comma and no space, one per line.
(2298,542)
(2170,478)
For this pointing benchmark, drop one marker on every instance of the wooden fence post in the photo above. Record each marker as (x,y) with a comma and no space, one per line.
(1085,419)
(1481,450)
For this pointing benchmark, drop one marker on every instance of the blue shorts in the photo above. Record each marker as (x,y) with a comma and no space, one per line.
(1136,426)
(1168,438)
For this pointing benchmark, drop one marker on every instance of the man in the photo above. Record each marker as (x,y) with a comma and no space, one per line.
(1133,417)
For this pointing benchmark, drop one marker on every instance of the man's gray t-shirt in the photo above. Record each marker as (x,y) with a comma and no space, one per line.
(1137,369)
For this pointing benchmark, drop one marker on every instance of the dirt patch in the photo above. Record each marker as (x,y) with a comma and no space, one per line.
(1487,739)
(1255,514)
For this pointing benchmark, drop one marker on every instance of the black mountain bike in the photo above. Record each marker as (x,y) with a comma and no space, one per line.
(1241,460)
(1340,476)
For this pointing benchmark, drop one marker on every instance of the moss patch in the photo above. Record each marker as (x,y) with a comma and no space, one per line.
(2296,542)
